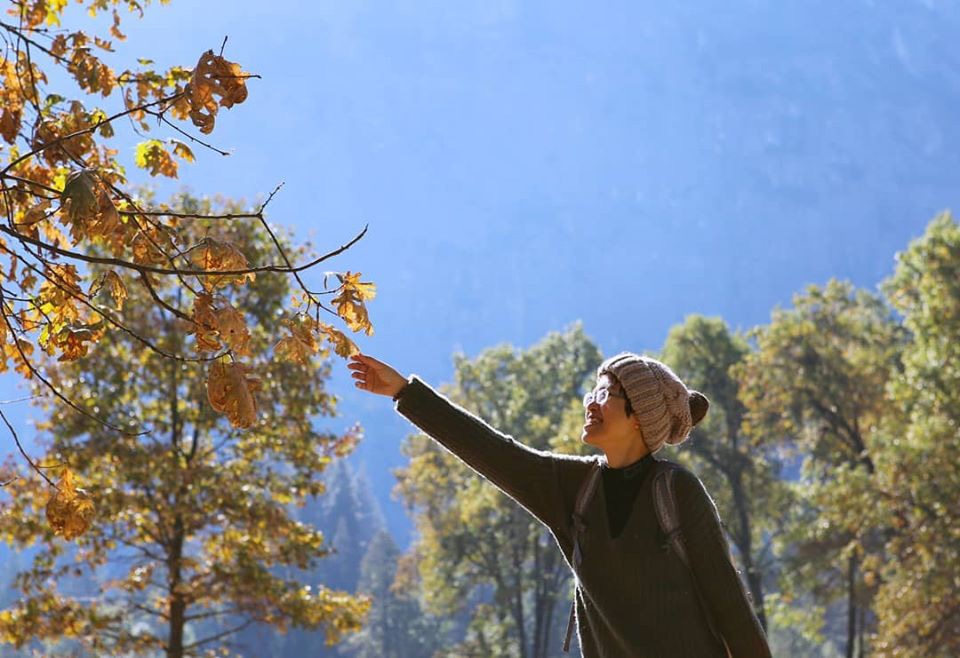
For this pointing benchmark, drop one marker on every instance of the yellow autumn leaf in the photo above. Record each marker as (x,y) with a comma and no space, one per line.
(342,344)
(182,150)
(231,391)
(154,157)
(364,290)
(303,327)
(215,256)
(70,511)
(350,302)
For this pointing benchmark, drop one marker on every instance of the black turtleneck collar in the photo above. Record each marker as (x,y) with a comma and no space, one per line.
(637,469)
(621,487)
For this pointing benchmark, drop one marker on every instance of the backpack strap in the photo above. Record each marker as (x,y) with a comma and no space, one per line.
(668,515)
(578,525)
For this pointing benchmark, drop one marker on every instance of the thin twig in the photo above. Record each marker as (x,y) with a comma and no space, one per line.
(23,399)
(23,452)
(192,138)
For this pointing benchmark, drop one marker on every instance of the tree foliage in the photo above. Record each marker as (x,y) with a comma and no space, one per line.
(742,477)
(75,238)
(816,386)
(194,516)
(473,540)
(918,600)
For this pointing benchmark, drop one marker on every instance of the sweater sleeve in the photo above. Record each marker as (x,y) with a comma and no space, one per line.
(721,587)
(528,476)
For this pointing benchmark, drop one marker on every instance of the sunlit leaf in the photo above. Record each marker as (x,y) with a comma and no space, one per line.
(231,389)
(70,511)
(153,156)
(214,77)
(215,256)
(350,302)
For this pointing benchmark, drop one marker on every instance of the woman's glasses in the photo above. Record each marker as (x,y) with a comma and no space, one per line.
(600,396)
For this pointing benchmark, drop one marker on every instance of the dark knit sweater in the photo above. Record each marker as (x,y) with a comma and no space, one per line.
(634,597)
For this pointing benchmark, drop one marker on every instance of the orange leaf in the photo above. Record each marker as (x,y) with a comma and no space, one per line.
(293,349)
(214,256)
(205,324)
(350,302)
(214,76)
(231,389)
(232,327)
(342,344)
(70,511)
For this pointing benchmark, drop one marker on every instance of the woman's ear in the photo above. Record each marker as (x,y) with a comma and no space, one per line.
(698,406)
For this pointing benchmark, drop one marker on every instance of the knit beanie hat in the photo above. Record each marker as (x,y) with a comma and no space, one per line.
(665,408)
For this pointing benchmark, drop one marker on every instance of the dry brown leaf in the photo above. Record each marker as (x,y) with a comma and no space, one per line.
(9,125)
(80,196)
(293,349)
(113,284)
(205,324)
(231,390)
(214,77)
(215,256)
(232,328)
(146,250)
(70,511)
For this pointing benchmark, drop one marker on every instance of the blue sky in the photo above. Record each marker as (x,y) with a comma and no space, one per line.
(525,165)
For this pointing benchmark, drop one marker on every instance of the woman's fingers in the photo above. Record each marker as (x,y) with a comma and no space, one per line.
(375,376)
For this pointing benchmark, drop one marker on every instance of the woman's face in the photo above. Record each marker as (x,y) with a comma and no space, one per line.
(606,425)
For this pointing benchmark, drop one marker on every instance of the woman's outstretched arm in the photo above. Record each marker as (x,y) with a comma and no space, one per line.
(528,476)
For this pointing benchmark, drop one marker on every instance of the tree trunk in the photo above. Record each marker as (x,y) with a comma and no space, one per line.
(745,546)
(519,619)
(178,607)
(861,625)
(851,606)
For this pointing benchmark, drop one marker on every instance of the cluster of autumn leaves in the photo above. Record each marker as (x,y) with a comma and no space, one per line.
(64,202)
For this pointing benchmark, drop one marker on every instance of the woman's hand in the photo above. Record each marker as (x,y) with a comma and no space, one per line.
(375,376)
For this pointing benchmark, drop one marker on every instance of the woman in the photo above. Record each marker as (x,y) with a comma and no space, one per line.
(634,596)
